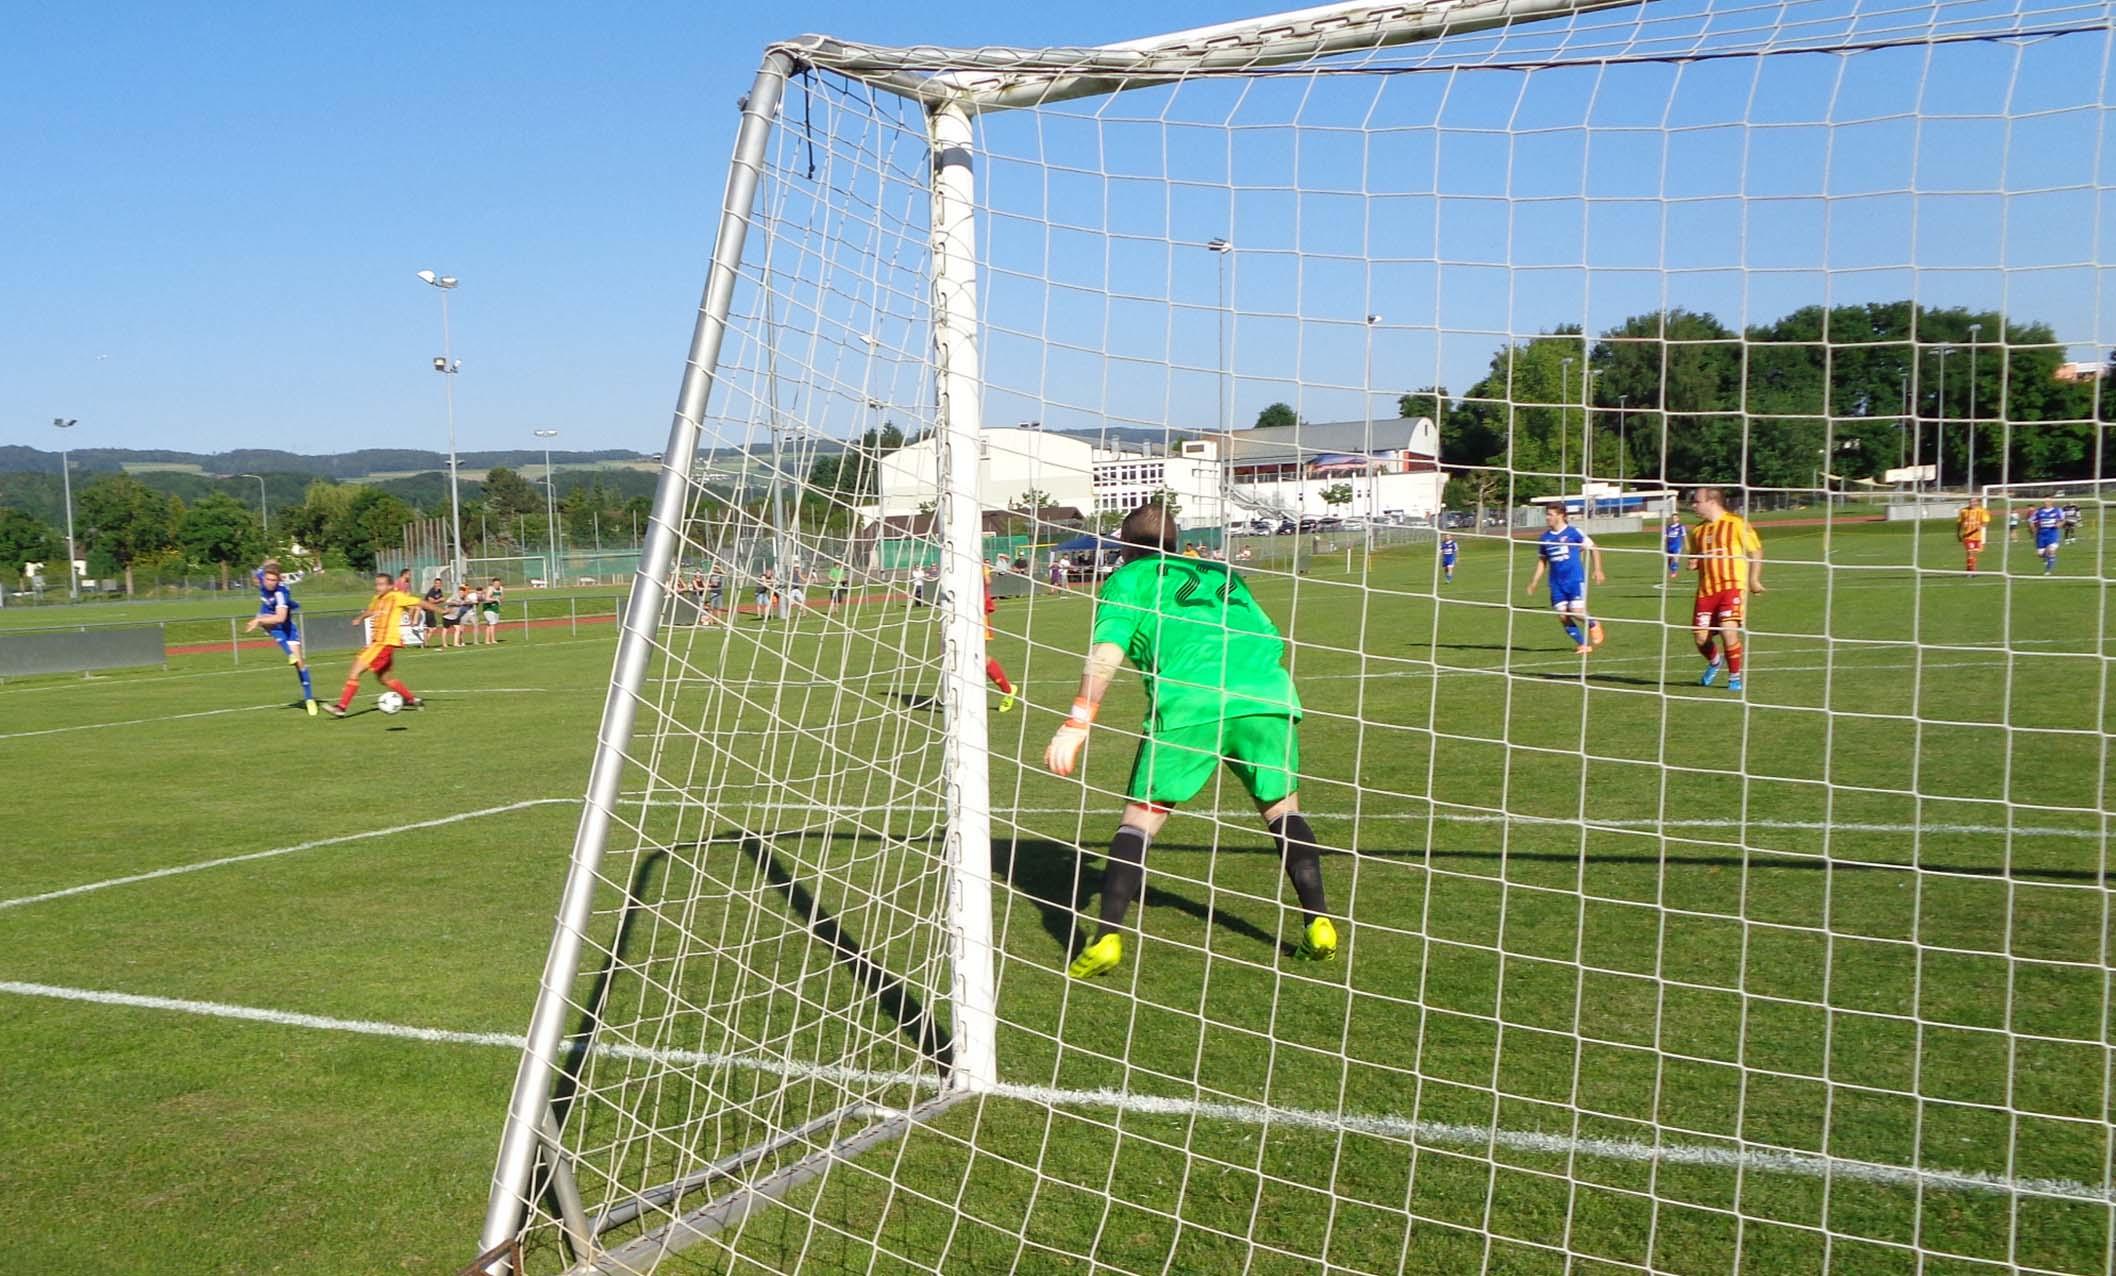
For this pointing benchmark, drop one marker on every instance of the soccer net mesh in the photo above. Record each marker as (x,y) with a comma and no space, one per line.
(1636,974)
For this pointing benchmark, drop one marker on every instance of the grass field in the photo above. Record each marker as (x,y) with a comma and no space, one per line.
(1639,975)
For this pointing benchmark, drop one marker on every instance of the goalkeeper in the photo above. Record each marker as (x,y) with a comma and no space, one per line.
(1216,690)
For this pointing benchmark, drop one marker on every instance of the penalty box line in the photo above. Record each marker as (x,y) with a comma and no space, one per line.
(1438,1134)
(177,870)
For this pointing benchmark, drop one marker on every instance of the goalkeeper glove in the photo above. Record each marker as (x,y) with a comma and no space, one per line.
(1064,751)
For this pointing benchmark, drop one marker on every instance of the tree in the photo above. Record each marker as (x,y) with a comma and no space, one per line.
(508,494)
(1337,494)
(1277,414)
(1166,499)
(126,521)
(1475,489)
(27,540)
(1032,502)
(373,523)
(220,530)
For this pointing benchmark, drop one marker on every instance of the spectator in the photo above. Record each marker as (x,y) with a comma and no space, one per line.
(495,593)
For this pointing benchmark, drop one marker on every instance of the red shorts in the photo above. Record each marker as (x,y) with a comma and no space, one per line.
(1974,544)
(377,657)
(1715,608)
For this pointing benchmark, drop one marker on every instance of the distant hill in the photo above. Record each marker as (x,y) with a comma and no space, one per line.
(15,459)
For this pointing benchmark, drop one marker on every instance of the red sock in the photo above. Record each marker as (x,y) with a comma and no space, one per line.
(399,688)
(998,676)
(1972,562)
(352,688)
(1704,648)
(1733,657)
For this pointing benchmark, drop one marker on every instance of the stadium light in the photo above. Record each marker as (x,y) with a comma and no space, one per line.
(448,367)
(73,575)
(550,506)
(264,512)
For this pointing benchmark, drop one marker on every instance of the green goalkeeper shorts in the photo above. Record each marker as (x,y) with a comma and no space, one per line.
(1263,751)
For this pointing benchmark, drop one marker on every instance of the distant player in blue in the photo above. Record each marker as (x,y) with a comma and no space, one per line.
(1561,551)
(1671,542)
(275,615)
(2048,520)
(1447,559)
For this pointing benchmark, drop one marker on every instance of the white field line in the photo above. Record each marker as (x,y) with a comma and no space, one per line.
(121,679)
(136,722)
(1648,824)
(177,870)
(1388,1125)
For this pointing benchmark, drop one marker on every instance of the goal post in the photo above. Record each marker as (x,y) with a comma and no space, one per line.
(1643,968)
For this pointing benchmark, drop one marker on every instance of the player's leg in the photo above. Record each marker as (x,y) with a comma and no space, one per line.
(352,680)
(1730,642)
(1569,620)
(1168,769)
(380,667)
(292,646)
(1263,751)
(1702,633)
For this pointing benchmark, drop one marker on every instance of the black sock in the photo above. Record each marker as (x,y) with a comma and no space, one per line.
(1296,845)
(1123,877)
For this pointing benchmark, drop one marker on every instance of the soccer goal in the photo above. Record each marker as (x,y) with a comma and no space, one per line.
(1638,972)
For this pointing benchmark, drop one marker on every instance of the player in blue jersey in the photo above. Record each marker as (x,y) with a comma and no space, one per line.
(1561,551)
(275,615)
(1671,541)
(1448,551)
(2048,520)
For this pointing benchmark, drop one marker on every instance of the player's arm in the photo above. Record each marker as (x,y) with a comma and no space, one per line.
(1063,753)
(1596,550)
(1537,578)
(1754,547)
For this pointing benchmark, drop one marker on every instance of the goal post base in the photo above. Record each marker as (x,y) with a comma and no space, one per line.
(641,1253)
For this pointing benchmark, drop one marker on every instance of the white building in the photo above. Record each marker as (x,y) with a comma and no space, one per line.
(1129,475)
(1392,465)
(1010,463)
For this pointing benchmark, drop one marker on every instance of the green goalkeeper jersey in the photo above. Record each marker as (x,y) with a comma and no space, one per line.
(1195,631)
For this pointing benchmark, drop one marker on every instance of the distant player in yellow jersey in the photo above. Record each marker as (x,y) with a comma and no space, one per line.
(1969,528)
(384,637)
(1728,558)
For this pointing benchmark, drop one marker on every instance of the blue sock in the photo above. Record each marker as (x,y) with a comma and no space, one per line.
(1574,631)
(307,692)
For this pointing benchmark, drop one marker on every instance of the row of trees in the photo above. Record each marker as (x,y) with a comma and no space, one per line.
(122,525)
(1849,391)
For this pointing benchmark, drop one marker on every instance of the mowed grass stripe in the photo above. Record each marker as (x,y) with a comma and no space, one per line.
(1750,1160)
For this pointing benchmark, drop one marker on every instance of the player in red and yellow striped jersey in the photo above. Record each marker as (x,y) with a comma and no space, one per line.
(1728,558)
(1969,528)
(386,610)
(992,668)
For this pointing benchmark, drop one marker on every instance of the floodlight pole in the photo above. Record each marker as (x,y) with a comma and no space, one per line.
(73,577)
(550,508)
(1969,484)
(448,367)
(1565,428)
(264,512)
(528,1111)
(1223,449)
(1939,416)
(1366,394)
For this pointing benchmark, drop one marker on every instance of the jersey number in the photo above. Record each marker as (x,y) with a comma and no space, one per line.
(1187,593)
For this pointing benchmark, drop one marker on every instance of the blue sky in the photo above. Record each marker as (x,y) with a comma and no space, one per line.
(229,202)
(218,217)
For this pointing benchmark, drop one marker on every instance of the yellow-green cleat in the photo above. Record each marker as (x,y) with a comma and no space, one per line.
(1318,942)
(1098,958)
(1006,703)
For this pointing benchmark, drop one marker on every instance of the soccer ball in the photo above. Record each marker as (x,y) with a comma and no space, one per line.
(389,702)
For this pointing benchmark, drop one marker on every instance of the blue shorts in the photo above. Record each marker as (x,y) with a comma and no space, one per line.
(1568,597)
(1447,560)
(2047,539)
(287,636)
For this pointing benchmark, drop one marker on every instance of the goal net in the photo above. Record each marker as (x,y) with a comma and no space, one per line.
(1423,320)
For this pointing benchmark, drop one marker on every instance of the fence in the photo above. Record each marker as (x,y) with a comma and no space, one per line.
(80,649)
(523,620)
